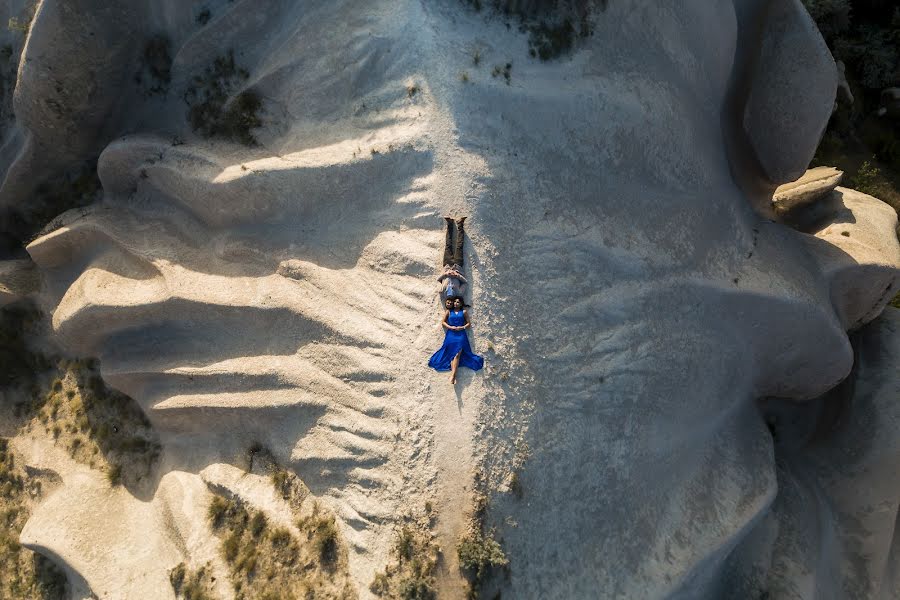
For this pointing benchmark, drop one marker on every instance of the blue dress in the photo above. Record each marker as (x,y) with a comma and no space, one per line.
(454,343)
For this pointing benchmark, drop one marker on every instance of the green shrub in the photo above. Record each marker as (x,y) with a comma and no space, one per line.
(176,577)
(203,16)
(547,41)
(114,474)
(478,554)
(50,580)
(405,544)
(257,524)
(895,302)
(280,537)
(416,589)
(217,510)
(504,70)
(873,51)
(23,24)
(831,16)
(412,575)
(217,109)
(325,538)
(231,546)
(190,585)
(155,71)
(21,364)
(867,179)
(281,480)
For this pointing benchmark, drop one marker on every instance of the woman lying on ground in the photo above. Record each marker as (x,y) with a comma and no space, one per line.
(456,349)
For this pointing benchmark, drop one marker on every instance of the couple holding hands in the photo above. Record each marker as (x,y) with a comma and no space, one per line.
(456,350)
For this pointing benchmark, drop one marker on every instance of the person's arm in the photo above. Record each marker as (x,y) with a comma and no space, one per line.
(461,278)
(468,325)
(444,323)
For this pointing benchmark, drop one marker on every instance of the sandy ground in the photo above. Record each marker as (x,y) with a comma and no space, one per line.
(632,298)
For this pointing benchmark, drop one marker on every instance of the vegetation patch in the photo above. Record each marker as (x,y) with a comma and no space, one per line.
(68,400)
(895,302)
(203,16)
(192,585)
(155,71)
(553,26)
(268,561)
(551,40)
(410,575)
(77,187)
(22,22)
(503,70)
(216,107)
(22,364)
(9,66)
(24,574)
(98,426)
(859,140)
(868,179)
(480,554)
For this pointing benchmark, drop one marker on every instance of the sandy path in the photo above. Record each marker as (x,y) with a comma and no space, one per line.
(454,417)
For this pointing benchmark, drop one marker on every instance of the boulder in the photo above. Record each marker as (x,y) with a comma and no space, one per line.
(814,184)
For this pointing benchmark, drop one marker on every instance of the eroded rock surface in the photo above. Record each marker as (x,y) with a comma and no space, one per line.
(258,275)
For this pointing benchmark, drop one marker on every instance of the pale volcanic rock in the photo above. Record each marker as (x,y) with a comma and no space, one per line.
(814,184)
(18,279)
(792,91)
(632,306)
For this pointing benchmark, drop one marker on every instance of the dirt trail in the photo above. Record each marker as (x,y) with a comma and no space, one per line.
(454,418)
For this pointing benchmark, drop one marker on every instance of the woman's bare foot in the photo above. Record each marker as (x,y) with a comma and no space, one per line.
(453,381)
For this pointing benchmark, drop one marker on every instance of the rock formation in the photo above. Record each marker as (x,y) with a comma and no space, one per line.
(667,408)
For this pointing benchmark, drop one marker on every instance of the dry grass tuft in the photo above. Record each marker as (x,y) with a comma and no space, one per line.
(411,573)
(24,574)
(267,560)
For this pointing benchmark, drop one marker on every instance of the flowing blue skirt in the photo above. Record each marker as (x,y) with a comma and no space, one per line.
(455,342)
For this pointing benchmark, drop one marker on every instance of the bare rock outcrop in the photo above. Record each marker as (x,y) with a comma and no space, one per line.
(257,274)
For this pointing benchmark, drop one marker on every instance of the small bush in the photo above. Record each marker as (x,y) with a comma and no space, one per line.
(21,364)
(478,554)
(217,510)
(176,577)
(257,524)
(282,482)
(416,589)
(114,474)
(216,109)
(504,70)
(280,537)
(325,538)
(203,16)
(23,24)
(231,546)
(50,580)
(76,188)
(867,179)
(412,575)
(190,585)
(246,562)
(515,485)
(895,302)
(405,544)
(155,71)
(547,41)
